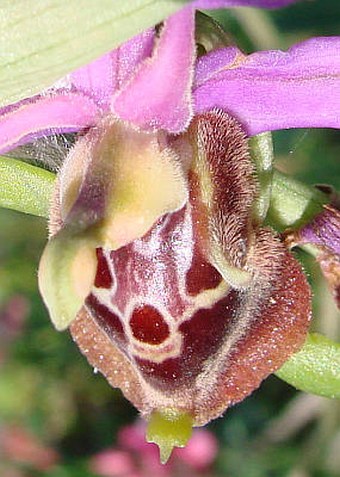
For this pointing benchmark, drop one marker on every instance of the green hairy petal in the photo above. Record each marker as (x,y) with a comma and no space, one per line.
(316,368)
(24,187)
(42,40)
(66,275)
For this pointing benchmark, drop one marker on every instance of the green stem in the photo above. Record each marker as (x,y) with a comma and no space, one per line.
(316,368)
(262,153)
(292,203)
(24,187)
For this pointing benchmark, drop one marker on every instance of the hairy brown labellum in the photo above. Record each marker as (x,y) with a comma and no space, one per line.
(193,314)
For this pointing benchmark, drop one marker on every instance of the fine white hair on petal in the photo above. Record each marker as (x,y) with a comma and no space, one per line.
(48,152)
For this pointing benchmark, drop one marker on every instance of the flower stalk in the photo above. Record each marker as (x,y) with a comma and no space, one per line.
(25,188)
(292,202)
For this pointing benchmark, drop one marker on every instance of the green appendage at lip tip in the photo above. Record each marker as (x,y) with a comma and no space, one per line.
(168,429)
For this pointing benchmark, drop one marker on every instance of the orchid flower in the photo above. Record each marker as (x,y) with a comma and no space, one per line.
(158,260)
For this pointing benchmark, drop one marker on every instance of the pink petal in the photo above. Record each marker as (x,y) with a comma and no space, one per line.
(112,463)
(43,115)
(97,80)
(275,90)
(323,231)
(101,78)
(159,95)
(209,66)
(241,3)
(131,54)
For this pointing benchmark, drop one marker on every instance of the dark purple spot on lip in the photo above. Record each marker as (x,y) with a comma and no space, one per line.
(103,277)
(148,325)
(201,275)
(105,318)
(202,336)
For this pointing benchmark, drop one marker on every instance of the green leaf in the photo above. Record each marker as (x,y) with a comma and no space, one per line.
(42,40)
(24,187)
(316,368)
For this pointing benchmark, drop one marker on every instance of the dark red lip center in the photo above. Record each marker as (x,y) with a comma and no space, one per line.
(148,325)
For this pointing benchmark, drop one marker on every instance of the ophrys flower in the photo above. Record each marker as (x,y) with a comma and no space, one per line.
(158,259)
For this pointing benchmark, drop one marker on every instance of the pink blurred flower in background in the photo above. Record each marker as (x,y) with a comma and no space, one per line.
(19,446)
(13,314)
(133,457)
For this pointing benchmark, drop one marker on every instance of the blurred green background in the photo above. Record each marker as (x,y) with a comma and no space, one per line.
(58,413)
